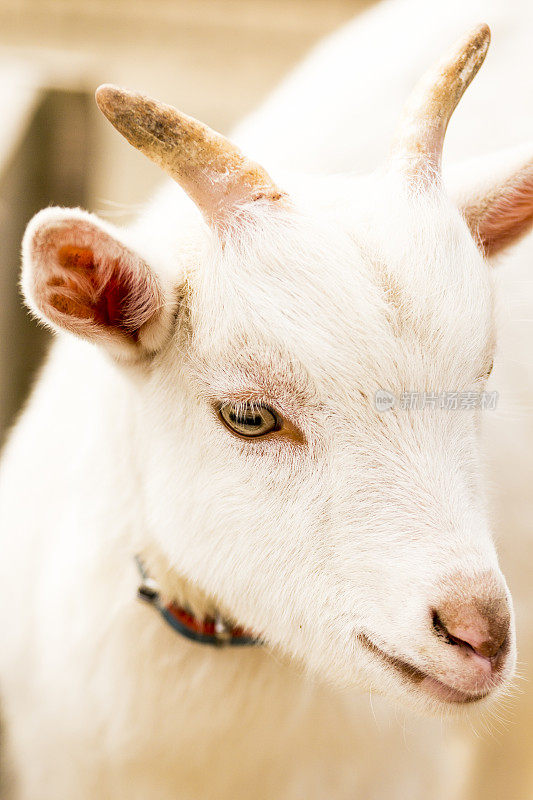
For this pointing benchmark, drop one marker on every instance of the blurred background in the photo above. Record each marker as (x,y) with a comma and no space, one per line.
(214,59)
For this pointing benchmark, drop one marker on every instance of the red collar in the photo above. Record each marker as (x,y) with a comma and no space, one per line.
(215,631)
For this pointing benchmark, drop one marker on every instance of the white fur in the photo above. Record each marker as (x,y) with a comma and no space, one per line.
(357,532)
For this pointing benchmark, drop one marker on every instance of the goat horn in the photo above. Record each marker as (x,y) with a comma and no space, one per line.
(427,113)
(212,170)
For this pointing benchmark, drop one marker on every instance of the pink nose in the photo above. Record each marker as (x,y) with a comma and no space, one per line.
(479,625)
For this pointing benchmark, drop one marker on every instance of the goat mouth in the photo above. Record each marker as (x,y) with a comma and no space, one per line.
(423,680)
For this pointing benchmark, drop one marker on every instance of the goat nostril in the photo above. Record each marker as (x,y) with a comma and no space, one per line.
(442,631)
(485,635)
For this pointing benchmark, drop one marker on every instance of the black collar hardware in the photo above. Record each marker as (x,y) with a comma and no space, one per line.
(214,631)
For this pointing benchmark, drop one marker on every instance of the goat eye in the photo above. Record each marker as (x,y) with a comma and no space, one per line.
(250,420)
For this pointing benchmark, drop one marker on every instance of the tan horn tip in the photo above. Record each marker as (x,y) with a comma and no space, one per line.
(481,34)
(105,94)
(476,45)
(463,66)
(110,98)
(134,115)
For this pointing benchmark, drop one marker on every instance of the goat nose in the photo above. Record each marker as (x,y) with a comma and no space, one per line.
(480,625)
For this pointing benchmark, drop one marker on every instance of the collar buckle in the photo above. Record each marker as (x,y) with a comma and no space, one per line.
(216,631)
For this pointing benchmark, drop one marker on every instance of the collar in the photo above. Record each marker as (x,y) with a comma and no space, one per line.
(216,631)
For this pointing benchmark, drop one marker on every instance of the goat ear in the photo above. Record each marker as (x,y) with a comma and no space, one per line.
(495,194)
(78,276)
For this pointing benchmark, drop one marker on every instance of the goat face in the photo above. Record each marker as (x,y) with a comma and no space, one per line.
(352,538)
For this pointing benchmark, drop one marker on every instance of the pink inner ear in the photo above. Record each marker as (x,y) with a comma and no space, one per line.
(506,215)
(86,281)
(99,296)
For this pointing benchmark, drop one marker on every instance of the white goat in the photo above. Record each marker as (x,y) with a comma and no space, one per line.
(220,423)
